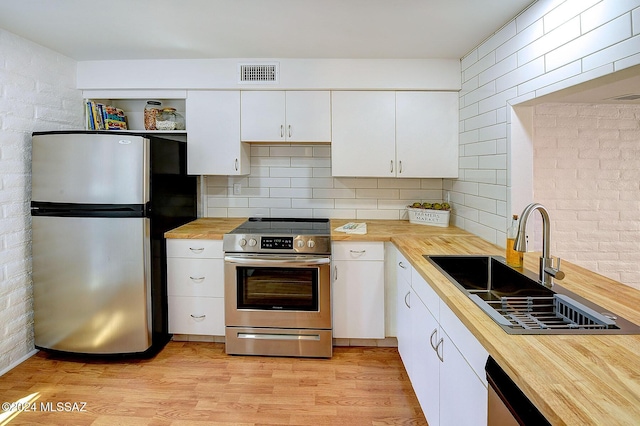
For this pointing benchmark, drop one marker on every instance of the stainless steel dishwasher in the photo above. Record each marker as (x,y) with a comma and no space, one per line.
(508,406)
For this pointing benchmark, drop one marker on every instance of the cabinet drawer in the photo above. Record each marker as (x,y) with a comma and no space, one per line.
(403,268)
(357,251)
(196,315)
(195,277)
(210,249)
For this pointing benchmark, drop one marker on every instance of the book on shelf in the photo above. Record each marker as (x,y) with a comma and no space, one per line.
(104,117)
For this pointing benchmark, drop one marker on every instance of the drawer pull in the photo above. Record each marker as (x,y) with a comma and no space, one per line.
(434,333)
(400,264)
(358,252)
(197,279)
(203,316)
(440,349)
(196,249)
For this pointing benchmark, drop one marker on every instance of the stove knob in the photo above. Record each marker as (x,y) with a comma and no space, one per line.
(300,243)
(242,242)
(311,244)
(252,242)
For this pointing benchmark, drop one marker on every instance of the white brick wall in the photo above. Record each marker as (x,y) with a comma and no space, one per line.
(295,181)
(552,45)
(37,92)
(587,173)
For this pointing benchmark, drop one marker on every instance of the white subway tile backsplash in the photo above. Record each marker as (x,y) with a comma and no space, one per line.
(269,182)
(344,182)
(602,37)
(518,76)
(304,187)
(334,193)
(501,68)
(497,101)
(321,182)
(398,183)
(484,63)
(270,202)
(580,78)
(566,32)
(289,172)
(310,162)
(378,193)
(520,40)
(565,12)
(490,45)
(291,151)
(623,49)
(291,192)
(496,131)
(493,162)
(356,203)
(604,12)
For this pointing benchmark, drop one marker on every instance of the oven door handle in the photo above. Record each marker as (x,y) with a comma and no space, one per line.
(279,260)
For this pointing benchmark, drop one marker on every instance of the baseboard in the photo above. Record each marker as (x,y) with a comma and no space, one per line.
(18,362)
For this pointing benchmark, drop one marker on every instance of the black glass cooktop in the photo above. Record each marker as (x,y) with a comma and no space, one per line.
(290,226)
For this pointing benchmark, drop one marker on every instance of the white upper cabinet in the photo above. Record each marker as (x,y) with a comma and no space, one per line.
(427,134)
(213,141)
(363,131)
(400,134)
(286,116)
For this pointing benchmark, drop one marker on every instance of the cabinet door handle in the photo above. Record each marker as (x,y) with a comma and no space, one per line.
(391,166)
(289,130)
(433,333)
(203,316)
(335,273)
(400,264)
(197,250)
(236,164)
(440,349)
(400,166)
(282,130)
(197,279)
(405,300)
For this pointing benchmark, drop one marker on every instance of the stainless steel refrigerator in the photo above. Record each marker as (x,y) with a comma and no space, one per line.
(101,203)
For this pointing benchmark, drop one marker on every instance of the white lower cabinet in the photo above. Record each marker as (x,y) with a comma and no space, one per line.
(443,359)
(358,290)
(195,287)
(403,311)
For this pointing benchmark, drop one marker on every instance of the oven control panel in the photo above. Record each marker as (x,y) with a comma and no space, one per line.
(284,243)
(251,243)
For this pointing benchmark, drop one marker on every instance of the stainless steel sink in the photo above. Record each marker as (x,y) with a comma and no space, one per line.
(521,305)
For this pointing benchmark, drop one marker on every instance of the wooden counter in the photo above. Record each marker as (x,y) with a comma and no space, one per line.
(210,228)
(572,379)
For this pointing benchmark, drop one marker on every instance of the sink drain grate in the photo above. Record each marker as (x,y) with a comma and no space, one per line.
(559,312)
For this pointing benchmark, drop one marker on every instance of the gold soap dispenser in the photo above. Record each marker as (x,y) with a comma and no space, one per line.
(514,258)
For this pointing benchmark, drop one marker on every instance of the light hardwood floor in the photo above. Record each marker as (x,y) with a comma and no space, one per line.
(193,383)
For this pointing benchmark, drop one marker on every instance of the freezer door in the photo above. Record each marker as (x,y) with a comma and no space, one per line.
(90,169)
(92,284)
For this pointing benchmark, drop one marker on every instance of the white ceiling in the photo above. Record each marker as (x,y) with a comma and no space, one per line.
(204,29)
(200,29)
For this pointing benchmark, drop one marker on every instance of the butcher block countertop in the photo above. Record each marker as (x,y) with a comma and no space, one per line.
(572,379)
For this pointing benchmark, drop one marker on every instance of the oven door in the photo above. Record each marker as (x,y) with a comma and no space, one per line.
(276,291)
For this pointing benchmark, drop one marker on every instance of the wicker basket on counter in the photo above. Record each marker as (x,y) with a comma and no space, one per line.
(429,216)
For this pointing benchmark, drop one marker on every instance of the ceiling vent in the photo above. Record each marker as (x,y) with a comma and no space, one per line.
(259,73)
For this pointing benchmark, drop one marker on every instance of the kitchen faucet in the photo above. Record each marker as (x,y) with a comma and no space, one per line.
(547,271)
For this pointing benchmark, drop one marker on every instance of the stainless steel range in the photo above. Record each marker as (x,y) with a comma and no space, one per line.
(278,288)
